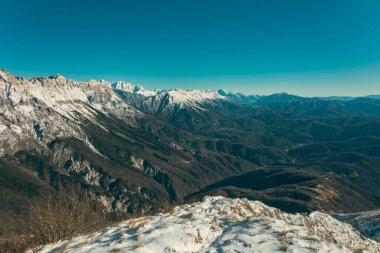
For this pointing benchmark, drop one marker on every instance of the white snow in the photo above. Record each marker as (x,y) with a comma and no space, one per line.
(368,223)
(220,224)
(137,162)
(180,96)
(191,96)
(92,147)
(56,105)
(132,88)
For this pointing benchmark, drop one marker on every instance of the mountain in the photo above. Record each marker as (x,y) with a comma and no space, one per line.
(170,105)
(180,96)
(192,97)
(84,134)
(373,96)
(139,152)
(58,134)
(238,97)
(51,108)
(279,98)
(224,225)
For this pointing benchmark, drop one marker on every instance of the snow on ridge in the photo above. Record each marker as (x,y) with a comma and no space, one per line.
(219,224)
(180,96)
(186,96)
(368,222)
(4,74)
(45,108)
(132,88)
(65,95)
(176,96)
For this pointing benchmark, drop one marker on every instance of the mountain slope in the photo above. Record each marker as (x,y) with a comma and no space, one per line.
(368,223)
(83,135)
(290,189)
(224,225)
(138,152)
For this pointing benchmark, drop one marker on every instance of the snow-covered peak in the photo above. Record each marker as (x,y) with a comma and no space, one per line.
(182,96)
(223,92)
(132,88)
(57,76)
(4,74)
(220,224)
(191,96)
(174,96)
(127,87)
(54,105)
(238,97)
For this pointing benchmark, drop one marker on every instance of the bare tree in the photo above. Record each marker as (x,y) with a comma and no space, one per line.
(62,216)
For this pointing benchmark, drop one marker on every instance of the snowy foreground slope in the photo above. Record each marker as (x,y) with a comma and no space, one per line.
(220,224)
(368,223)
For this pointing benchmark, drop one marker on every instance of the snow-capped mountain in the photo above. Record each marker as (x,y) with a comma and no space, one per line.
(219,224)
(238,97)
(177,96)
(69,132)
(59,123)
(132,88)
(51,108)
(160,100)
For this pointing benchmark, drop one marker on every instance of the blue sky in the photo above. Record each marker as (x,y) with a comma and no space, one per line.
(313,47)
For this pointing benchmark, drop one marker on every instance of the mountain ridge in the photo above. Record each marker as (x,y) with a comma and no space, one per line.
(206,94)
(139,155)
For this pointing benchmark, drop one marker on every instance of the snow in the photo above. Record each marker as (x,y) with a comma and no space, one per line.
(368,223)
(190,96)
(137,162)
(184,97)
(3,74)
(56,105)
(132,88)
(176,96)
(219,224)
(92,147)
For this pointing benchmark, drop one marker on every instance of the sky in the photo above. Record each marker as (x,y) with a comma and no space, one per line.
(311,48)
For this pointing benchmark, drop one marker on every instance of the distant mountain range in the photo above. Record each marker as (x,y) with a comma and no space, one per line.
(187,96)
(141,151)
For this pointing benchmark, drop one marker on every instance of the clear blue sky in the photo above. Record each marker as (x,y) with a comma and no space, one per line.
(306,47)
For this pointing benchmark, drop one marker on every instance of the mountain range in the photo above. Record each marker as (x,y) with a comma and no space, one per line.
(141,151)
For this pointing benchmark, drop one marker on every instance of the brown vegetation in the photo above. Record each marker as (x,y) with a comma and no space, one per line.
(57,217)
